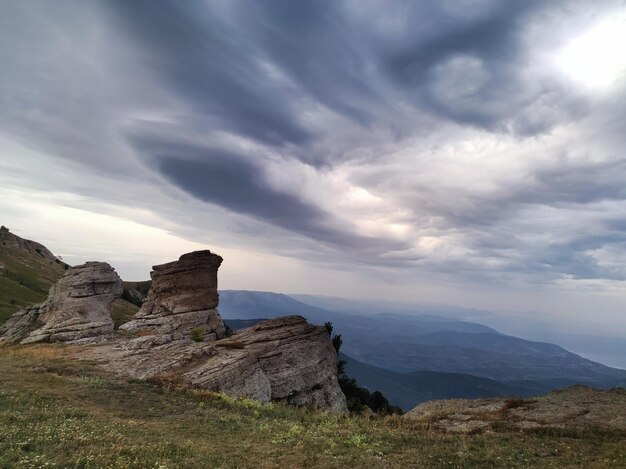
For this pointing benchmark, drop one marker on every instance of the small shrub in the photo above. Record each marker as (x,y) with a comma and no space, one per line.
(197,334)
(514,403)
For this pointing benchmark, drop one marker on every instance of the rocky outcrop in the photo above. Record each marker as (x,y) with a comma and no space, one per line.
(574,407)
(78,308)
(178,335)
(182,299)
(285,360)
(9,239)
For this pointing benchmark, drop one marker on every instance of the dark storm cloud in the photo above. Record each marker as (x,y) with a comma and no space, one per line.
(239,183)
(468,69)
(202,59)
(493,37)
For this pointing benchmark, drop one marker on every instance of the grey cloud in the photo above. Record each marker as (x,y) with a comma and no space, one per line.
(199,56)
(238,183)
(323,82)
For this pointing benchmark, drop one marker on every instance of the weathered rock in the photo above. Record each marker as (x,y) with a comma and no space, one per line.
(78,308)
(183,297)
(285,359)
(577,406)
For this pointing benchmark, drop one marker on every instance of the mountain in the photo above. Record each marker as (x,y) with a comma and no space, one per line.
(405,344)
(607,347)
(244,304)
(27,270)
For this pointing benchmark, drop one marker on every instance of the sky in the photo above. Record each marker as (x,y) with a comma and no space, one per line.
(466,152)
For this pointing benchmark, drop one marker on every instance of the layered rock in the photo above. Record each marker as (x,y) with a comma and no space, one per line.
(576,406)
(284,359)
(78,308)
(182,299)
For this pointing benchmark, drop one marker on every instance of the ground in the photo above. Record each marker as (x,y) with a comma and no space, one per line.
(56,412)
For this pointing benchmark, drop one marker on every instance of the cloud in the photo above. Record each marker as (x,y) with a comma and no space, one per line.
(428,137)
(239,183)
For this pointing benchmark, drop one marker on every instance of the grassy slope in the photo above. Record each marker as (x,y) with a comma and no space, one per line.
(122,312)
(25,280)
(68,414)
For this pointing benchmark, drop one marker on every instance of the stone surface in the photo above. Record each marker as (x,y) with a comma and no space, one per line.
(78,308)
(576,406)
(183,297)
(284,359)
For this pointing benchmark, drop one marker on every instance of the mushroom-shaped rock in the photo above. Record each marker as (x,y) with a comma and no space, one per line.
(78,308)
(182,298)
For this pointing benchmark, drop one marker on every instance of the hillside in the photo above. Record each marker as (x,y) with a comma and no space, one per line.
(27,271)
(408,389)
(59,413)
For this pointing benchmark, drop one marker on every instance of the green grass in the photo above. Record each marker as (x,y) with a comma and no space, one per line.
(122,312)
(60,413)
(25,279)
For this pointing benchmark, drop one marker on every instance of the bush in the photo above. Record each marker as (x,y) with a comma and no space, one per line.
(197,334)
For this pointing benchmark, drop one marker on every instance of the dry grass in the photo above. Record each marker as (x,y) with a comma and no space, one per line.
(231,344)
(60,413)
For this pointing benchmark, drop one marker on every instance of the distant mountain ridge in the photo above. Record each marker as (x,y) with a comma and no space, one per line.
(409,389)
(404,344)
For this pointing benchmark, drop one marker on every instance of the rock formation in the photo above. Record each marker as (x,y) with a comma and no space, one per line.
(78,308)
(284,359)
(576,406)
(179,335)
(182,299)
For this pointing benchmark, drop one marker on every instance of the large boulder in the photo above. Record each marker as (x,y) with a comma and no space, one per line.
(283,360)
(78,308)
(182,299)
